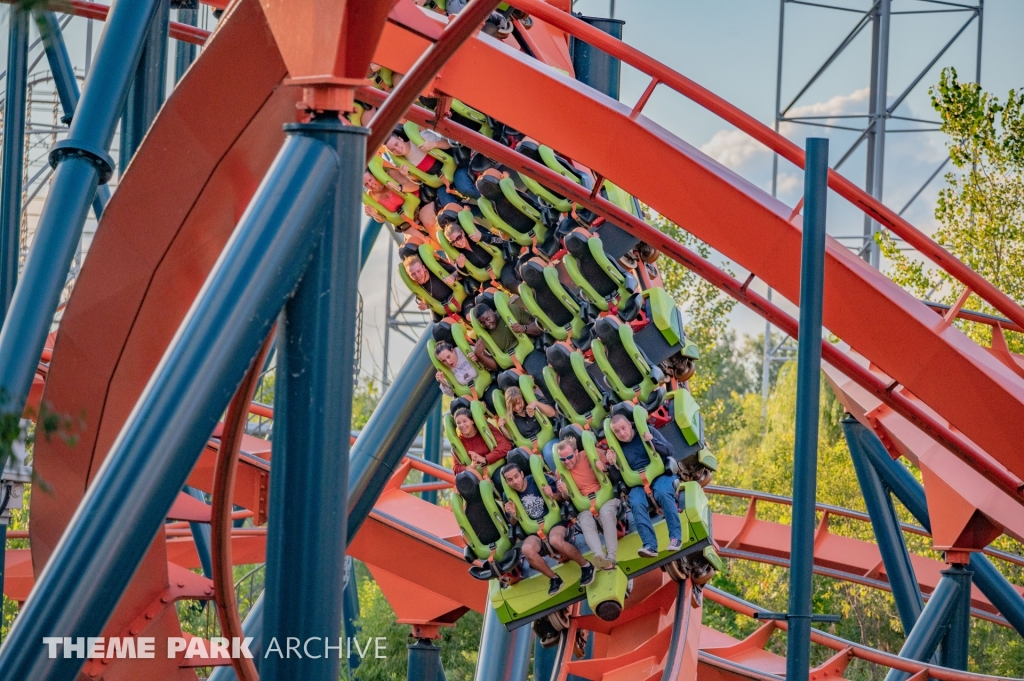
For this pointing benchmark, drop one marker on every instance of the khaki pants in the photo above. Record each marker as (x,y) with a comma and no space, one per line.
(588,525)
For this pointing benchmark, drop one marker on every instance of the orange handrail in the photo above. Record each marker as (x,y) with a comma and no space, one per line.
(858,650)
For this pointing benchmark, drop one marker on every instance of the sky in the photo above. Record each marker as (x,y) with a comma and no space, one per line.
(730,47)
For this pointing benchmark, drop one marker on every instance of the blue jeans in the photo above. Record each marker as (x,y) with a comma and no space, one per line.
(464,184)
(664,494)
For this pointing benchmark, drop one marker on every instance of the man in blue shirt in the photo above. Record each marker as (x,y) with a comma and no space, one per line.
(662,488)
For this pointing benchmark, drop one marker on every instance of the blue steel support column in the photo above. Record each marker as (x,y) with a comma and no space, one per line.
(544,660)
(955,643)
(13,154)
(168,430)
(386,438)
(432,449)
(910,492)
(424,661)
(65,82)
(350,608)
(82,163)
(808,386)
(924,638)
(593,66)
(185,53)
(147,92)
(201,535)
(504,655)
(898,568)
(366,241)
(306,537)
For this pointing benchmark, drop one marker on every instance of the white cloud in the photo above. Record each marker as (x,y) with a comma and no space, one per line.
(853,103)
(732,148)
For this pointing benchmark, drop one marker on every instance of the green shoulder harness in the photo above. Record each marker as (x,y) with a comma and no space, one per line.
(524,345)
(595,250)
(529,296)
(451,306)
(586,442)
(547,430)
(552,517)
(482,550)
(476,387)
(643,476)
(603,349)
(579,370)
(489,274)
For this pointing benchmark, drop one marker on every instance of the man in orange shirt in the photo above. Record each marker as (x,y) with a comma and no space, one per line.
(586,482)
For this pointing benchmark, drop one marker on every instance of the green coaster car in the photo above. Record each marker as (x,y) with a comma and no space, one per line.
(509,210)
(625,367)
(464,216)
(481,519)
(602,281)
(526,385)
(556,308)
(479,413)
(453,305)
(527,600)
(524,344)
(685,432)
(662,341)
(572,385)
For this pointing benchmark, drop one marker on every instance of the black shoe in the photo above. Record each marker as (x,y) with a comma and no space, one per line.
(555,587)
(587,574)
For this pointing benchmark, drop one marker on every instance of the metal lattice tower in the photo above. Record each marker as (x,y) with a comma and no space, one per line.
(875,121)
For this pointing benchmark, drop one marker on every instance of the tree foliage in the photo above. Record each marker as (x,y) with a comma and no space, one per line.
(981,209)
(758,454)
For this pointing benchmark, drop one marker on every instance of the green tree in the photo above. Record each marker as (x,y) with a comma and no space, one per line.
(758,454)
(458,643)
(981,208)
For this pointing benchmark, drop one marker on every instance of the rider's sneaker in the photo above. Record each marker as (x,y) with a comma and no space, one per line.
(675,545)
(647,552)
(555,586)
(586,574)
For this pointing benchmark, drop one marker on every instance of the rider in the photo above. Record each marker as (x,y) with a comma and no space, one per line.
(523,415)
(534,548)
(462,369)
(501,333)
(479,452)
(661,487)
(438,289)
(469,250)
(586,482)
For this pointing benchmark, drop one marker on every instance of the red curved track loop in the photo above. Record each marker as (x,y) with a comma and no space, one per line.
(160,235)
